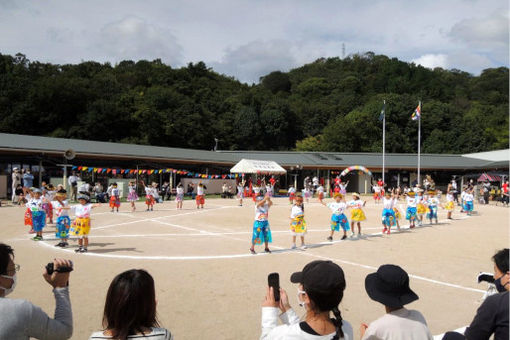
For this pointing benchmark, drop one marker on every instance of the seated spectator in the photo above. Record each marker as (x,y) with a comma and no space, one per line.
(20,195)
(390,286)
(99,193)
(320,291)
(20,319)
(130,309)
(492,316)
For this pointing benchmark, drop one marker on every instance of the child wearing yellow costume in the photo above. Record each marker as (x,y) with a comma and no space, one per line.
(297,221)
(357,214)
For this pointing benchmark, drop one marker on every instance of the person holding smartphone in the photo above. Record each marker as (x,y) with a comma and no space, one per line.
(20,318)
(321,286)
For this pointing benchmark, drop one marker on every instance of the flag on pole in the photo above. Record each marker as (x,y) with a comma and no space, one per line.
(417,112)
(383,111)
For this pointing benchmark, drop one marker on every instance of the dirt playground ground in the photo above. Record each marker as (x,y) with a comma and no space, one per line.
(208,285)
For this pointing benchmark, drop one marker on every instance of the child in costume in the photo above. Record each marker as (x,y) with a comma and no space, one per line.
(320,193)
(60,205)
(377,193)
(269,190)
(343,187)
(261,229)
(432,203)
(179,195)
(48,193)
(338,218)
(292,193)
(81,224)
(200,199)
(28,212)
(240,192)
(388,214)
(115,197)
(149,196)
(421,208)
(297,221)
(35,204)
(468,201)
(307,192)
(462,201)
(132,195)
(411,208)
(357,214)
(450,205)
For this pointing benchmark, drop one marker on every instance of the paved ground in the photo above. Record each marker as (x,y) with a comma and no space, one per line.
(208,286)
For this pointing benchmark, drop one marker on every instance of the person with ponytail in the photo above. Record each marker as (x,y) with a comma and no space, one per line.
(321,286)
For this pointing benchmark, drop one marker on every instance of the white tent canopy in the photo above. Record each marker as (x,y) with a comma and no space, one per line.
(253,166)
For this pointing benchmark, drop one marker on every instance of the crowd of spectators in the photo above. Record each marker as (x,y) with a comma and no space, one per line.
(130,306)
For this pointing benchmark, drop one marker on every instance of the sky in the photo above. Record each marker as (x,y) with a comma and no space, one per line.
(247,39)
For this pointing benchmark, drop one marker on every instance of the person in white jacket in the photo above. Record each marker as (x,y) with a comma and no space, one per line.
(320,291)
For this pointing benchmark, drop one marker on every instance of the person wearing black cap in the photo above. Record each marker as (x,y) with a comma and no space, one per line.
(321,289)
(390,286)
(492,316)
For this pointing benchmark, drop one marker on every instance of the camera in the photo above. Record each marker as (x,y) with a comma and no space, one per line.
(64,269)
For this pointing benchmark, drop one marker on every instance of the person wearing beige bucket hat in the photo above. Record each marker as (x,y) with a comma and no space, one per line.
(390,287)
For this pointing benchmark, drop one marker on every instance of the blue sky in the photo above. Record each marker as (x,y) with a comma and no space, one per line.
(247,39)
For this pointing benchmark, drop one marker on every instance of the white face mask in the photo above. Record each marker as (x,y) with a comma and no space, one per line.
(300,292)
(8,291)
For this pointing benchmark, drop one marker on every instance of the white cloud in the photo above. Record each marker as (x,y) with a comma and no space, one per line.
(257,58)
(134,38)
(432,61)
(247,39)
(490,31)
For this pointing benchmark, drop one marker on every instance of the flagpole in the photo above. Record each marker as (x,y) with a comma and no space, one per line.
(419,141)
(383,141)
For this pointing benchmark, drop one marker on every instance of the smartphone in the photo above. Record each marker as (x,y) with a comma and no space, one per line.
(273,280)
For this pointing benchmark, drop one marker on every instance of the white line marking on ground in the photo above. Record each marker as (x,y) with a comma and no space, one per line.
(280,250)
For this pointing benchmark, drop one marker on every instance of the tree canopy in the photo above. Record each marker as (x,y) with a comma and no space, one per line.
(331,104)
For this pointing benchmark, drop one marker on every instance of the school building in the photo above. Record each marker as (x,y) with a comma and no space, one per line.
(106,162)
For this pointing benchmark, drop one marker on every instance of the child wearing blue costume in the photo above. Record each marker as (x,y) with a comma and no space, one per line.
(35,204)
(338,218)
(60,206)
(261,230)
(388,214)
(468,201)
(411,209)
(432,203)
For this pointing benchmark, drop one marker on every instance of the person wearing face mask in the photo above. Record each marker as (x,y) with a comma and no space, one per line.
(20,319)
(492,316)
(320,291)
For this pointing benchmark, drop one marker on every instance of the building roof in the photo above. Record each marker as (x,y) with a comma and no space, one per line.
(84,148)
(491,156)
(24,144)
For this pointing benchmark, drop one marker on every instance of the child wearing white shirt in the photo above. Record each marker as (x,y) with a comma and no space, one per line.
(338,217)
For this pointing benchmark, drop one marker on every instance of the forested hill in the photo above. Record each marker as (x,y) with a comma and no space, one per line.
(329,105)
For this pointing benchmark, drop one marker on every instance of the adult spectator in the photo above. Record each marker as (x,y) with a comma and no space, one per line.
(320,291)
(454,190)
(73,183)
(16,180)
(20,318)
(390,286)
(224,190)
(28,181)
(99,193)
(130,309)
(166,191)
(486,191)
(20,196)
(492,316)
(84,188)
(504,188)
